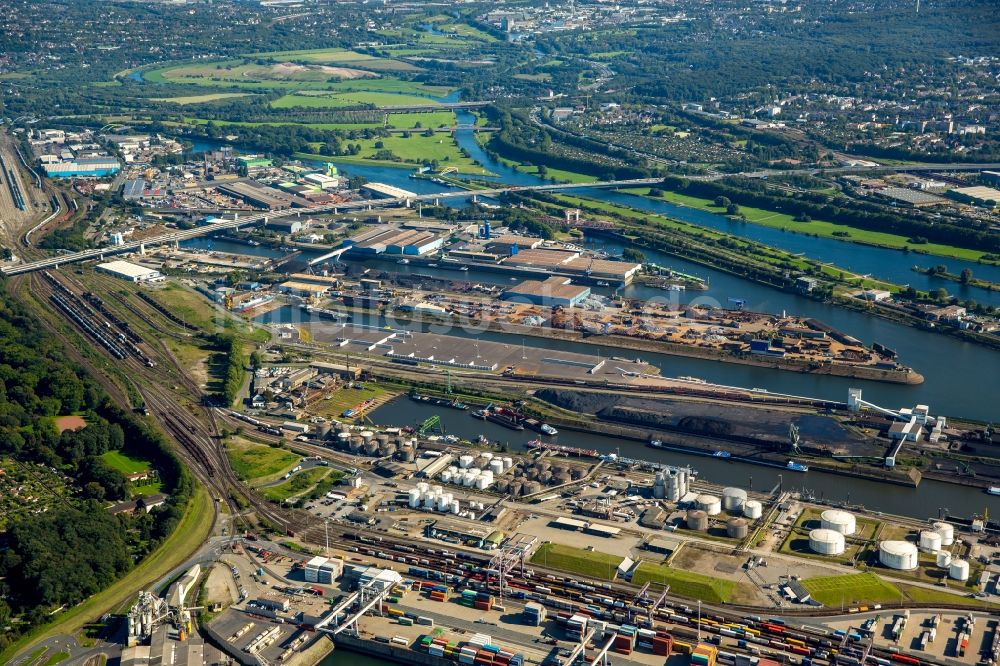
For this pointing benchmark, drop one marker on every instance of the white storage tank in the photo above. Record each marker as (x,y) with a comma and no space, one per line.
(947,532)
(841,521)
(446,476)
(367,435)
(496,466)
(487,455)
(508,462)
(455,507)
(429,501)
(465,461)
(483,482)
(900,555)
(943,559)
(710,504)
(468,479)
(826,542)
(422,486)
(437,490)
(414,496)
(959,570)
(444,502)
(930,541)
(733,499)
(753,509)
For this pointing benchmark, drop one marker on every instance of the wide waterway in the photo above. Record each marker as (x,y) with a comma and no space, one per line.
(960,377)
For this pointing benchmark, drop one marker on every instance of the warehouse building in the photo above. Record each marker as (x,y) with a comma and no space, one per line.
(385,239)
(302,289)
(987,197)
(261,196)
(323,570)
(95,167)
(383,191)
(283,226)
(126,270)
(323,181)
(571,262)
(552,292)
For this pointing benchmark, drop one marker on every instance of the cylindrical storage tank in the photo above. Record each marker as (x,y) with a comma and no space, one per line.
(487,455)
(468,479)
(455,507)
(947,532)
(840,521)
(515,488)
(737,528)
(429,501)
(508,462)
(444,503)
(408,454)
(496,466)
(930,541)
(710,504)
(531,487)
(482,483)
(545,476)
(561,480)
(367,435)
(733,499)
(446,476)
(422,486)
(356,444)
(386,449)
(697,520)
(371,447)
(901,555)
(826,542)
(414,496)
(343,440)
(382,438)
(437,490)
(753,509)
(943,559)
(959,570)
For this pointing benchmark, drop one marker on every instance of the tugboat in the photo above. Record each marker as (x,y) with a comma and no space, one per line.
(993,490)
(504,419)
(538,426)
(796,467)
(722,454)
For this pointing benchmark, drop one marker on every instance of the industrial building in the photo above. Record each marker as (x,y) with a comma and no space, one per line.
(393,240)
(552,292)
(283,226)
(126,270)
(261,196)
(383,191)
(323,181)
(302,289)
(323,570)
(95,167)
(570,262)
(986,197)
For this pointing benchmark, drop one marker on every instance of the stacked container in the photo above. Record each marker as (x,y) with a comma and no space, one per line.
(534,614)
(576,627)
(704,655)
(625,640)
(663,643)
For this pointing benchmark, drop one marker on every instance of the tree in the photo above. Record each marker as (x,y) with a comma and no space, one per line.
(732,209)
(722,202)
(966,276)
(633,255)
(940,294)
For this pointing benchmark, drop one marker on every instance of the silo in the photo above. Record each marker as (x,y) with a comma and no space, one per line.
(733,499)
(659,486)
(753,509)
(737,528)
(930,541)
(677,485)
(901,555)
(697,520)
(414,498)
(943,559)
(826,542)
(959,570)
(710,504)
(947,532)
(840,521)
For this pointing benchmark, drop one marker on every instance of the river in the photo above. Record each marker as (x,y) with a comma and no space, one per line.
(956,372)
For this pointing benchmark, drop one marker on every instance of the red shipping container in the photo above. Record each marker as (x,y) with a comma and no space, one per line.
(623,650)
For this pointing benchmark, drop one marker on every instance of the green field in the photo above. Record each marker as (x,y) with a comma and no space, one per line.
(125,463)
(684,583)
(255,462)
(199,99)
(862,588)
(300,483)
(411,151)
(589,563)
(823,229)
(322,56)
(347,99)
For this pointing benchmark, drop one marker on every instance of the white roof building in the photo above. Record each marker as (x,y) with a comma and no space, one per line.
(126,270)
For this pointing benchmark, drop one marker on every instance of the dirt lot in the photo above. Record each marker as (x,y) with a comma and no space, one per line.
(220,586)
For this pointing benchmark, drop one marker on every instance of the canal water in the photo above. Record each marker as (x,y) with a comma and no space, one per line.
(922,502)
(961,378)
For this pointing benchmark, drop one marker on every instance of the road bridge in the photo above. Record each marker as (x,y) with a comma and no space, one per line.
(175,237)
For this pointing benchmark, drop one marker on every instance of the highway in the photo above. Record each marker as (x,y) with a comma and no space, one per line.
(257,217)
